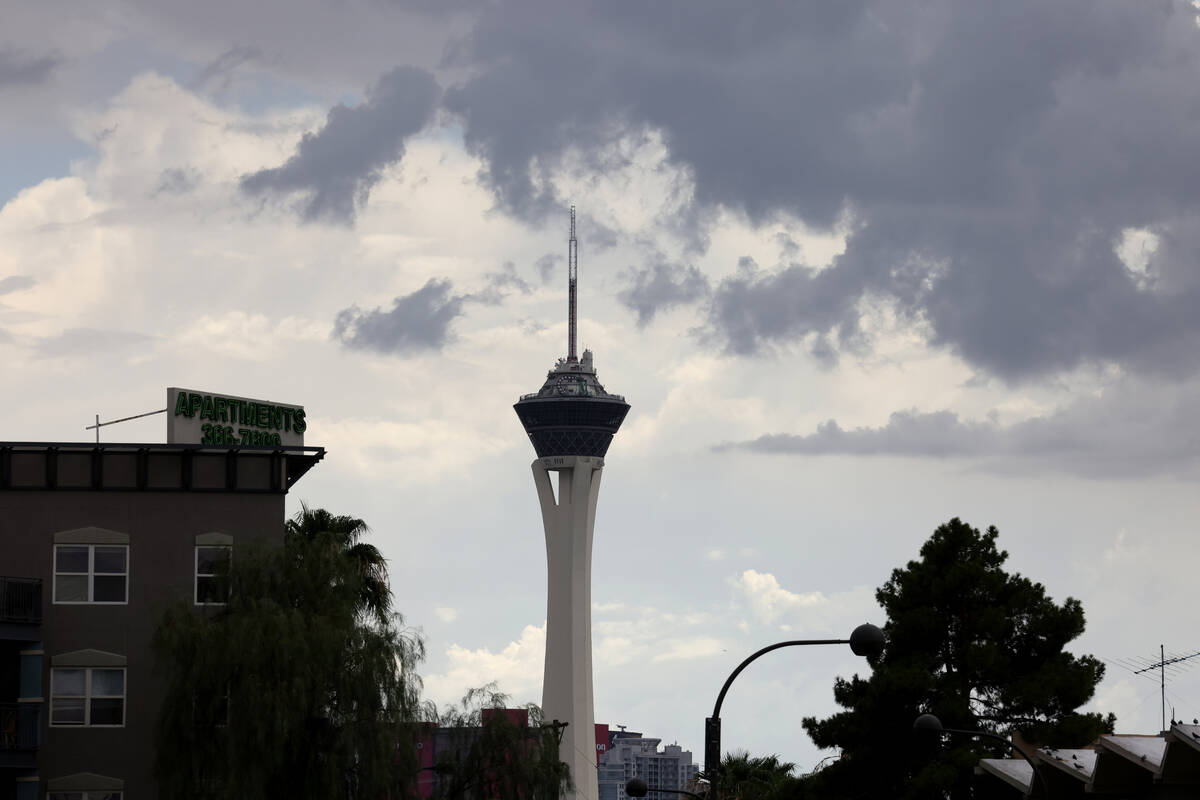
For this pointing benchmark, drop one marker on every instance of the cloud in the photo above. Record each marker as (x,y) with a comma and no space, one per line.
(769,601)
(623,635)
(496,284)
(336,167)
(89,342)
(422,320)
(220,72)
(19,70)
(416,322)
(16,283)
(659,287)
(177,181)
(517,667)
(445,613)
(1129,431)
(750,308)
(546,266)
(771,604)
(989,157)
(646,634)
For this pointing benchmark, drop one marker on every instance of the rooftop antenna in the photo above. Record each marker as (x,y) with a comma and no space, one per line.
(1161,665)
(572,283)
(100,424)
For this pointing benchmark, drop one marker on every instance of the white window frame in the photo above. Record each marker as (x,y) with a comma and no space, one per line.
(88,697)
(91,576)
(196,575)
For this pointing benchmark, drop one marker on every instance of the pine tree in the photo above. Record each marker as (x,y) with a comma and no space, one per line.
(977,646)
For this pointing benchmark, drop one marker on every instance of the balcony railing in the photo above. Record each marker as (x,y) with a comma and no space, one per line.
(19,726)
(20,600)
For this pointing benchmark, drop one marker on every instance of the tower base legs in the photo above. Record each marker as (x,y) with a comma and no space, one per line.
(569,520)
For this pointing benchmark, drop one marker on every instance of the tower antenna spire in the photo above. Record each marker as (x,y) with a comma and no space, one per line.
(572,288)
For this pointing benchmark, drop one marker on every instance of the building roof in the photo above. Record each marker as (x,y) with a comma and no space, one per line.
(1125,765)
(134,466)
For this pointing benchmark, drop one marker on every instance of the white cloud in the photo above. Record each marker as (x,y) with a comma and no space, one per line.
(653,635)
(809,612)
(517,668)
(445,613)
(769,601)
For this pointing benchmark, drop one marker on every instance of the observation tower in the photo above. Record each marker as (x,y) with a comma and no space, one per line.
(571,421)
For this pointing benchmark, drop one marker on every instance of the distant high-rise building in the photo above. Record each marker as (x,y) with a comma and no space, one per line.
(632,755)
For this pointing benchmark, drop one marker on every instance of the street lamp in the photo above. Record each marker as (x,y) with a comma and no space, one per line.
(637,787)
(865,640)
(929,724)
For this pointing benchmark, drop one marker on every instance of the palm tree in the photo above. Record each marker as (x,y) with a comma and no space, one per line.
(339,536)
(747,777)
(310,651)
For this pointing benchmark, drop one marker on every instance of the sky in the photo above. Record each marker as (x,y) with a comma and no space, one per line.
(857,267)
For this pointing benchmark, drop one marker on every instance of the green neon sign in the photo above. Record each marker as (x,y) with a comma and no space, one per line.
(250,422)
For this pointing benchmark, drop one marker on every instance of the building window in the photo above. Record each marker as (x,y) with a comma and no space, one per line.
(85,796)
(212,574)
(91,573)
(89,697)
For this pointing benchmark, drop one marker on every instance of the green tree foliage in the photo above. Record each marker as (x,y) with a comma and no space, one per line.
(303,685)
(490,756)
(747,777)
(977,646)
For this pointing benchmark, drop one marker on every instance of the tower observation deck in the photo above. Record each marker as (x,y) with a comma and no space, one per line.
(571,421)
(572,414)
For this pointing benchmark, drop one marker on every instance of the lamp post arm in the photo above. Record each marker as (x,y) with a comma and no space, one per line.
(681,791)
(1037,774)
(728,681)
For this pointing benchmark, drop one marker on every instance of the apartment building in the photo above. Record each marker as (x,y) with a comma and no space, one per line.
(632,755)
(95,541)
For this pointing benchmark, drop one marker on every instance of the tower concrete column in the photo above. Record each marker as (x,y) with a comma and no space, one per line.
(569,520)
(570,421)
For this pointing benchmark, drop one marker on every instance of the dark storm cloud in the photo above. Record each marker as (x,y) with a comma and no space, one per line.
(90,342)
(415,322)
(659,287)
(336,167)
(1133,430)
(424,319)
(20,70)
(16,283)
(787,304)
(988,155)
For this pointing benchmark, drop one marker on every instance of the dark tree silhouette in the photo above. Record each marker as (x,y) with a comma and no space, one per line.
(340,536)
(977,646)
(490,757)
(747,777)
(303,685)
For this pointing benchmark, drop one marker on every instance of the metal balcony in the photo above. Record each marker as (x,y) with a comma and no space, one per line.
(19,732)
(21,600)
